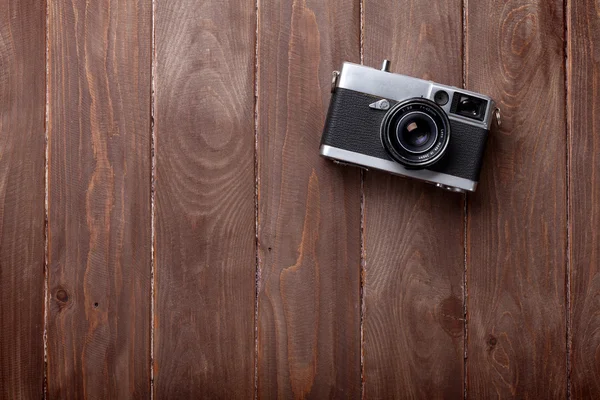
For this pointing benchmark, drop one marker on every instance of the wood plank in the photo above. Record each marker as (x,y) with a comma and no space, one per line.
(584,194)
(99,199)
(517,219)
(205,202)
(309,209)
(22,143)
(414,232)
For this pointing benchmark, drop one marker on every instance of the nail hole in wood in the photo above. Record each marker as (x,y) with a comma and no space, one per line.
(95,305)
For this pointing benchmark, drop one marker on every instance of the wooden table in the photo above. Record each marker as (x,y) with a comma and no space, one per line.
(167,226)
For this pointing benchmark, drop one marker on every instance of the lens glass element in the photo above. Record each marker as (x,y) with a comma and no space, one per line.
(416,132)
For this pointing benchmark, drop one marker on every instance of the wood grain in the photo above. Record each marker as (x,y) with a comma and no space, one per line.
(516,252)
(22,102)
(584,194)
(308,281)
(414,232)
(205,203)
(99,199)
(309,209)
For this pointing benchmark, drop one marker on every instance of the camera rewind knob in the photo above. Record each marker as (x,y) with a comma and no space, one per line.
(385,66)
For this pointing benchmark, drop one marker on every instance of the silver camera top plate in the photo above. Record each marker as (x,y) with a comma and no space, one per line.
(398,87)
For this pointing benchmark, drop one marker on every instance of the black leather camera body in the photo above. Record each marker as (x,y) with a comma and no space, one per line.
(407,126)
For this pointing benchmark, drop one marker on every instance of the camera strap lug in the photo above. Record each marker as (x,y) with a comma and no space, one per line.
(334,78)
(497,116)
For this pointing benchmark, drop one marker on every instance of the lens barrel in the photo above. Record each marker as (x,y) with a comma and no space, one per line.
(415,132)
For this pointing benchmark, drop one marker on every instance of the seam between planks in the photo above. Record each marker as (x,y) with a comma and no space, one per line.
(152,197)
(567,50)
(46,208)
(363,258)
(466,213)
(256,200)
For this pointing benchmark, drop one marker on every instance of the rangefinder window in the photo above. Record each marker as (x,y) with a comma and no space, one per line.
(468,106)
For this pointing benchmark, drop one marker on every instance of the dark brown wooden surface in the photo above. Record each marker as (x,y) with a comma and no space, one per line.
(99,167)
(414,233)
(22,99)
(516,230)
(583,55)
(263,270)
(205,208)
(309,209)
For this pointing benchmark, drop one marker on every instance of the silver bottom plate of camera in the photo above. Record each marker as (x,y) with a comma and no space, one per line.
(450,188)
(444,181)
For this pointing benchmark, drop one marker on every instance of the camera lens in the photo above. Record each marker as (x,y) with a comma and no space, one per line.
(415,132)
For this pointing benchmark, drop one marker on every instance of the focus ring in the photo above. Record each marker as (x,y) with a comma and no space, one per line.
(397,151)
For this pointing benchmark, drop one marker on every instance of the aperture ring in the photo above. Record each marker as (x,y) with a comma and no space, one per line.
(398,152)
